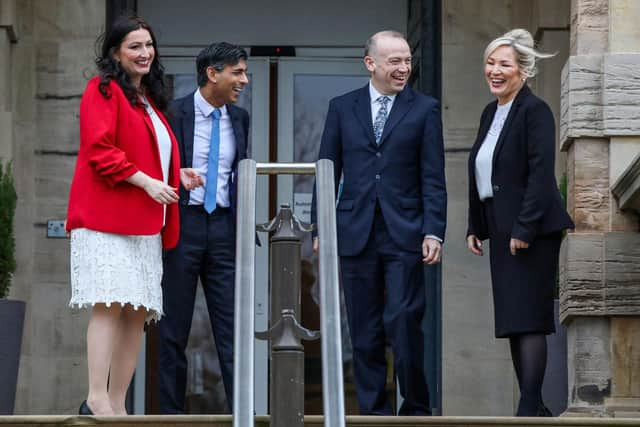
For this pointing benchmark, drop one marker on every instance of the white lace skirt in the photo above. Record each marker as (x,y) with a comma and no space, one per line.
(115,268)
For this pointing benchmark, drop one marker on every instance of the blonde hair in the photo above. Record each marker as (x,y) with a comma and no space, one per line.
(522,43)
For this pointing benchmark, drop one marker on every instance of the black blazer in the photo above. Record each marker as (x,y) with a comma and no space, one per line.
(525,193)
(181,118)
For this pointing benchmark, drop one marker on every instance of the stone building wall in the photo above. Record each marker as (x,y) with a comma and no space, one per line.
(600,279)
(50,64)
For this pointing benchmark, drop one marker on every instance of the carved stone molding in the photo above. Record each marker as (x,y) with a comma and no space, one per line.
(627,187)
(600,275)
(600,97)
(8,19)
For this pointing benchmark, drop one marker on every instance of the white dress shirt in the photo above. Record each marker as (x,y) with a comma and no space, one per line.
(201,142)
(484,159)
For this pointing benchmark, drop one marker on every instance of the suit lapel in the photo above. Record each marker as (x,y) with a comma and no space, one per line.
(188,119)
(524,91)
(486,124)
(362,110)
(401,106)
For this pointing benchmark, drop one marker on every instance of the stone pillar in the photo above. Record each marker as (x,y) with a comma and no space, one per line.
(599,273)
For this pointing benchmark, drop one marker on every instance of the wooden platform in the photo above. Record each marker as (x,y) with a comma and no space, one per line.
(311,420)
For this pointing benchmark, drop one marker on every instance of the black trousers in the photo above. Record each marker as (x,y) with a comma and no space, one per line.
(385,297)
(206,250)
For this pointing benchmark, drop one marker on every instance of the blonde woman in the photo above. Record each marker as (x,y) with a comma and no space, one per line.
(515,203)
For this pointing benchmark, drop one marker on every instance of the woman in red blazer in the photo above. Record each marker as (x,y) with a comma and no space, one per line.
(515,203)
(122,207)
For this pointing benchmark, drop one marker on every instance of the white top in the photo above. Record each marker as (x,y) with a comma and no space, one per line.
(164,145)
(164,140)
(202,140)
(484,159)
(375,105)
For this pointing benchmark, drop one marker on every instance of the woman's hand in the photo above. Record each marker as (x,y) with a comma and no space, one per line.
(190,178)
(516,244)
(161,192)
(156,189)
(474,244)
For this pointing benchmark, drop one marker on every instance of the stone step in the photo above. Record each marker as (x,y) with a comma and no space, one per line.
(310,420)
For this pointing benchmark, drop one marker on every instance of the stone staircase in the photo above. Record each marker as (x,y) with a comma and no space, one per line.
(310,420)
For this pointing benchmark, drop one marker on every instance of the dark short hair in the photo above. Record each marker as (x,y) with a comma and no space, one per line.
(109,42)
(217,55)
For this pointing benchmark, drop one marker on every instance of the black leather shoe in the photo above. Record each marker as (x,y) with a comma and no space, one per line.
(84,409)
(543,411)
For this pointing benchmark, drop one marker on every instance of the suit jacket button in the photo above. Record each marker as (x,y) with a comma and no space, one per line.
(377,177)
(378,154)
(496,188)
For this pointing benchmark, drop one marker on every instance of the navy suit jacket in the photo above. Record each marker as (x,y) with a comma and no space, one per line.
(525,192)
(404,174)
(181,118)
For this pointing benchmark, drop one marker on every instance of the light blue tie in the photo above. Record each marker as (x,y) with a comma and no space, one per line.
(212,168)
(381,117)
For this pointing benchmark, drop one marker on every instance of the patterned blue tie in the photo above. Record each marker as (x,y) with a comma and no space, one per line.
(381,117)
(212,169)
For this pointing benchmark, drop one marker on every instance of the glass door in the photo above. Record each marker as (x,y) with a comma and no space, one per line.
(305,87)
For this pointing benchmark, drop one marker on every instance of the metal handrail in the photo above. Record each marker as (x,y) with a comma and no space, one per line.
(245,296)
(243,369)
(332,379)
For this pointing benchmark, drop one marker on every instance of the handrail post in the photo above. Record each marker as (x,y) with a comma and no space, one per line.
(332,376)
(244,319)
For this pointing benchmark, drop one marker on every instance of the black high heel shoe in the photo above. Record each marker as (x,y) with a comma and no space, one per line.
(84,409)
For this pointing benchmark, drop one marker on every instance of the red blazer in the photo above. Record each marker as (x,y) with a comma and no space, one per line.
(116,141)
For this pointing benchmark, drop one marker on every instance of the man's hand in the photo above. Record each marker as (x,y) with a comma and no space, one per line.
(474,244)
(516,244)
(190,178)
(431,250)
(315,244)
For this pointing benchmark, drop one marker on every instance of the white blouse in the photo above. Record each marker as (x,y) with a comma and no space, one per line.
(484,159)
(164,140)
(164,144)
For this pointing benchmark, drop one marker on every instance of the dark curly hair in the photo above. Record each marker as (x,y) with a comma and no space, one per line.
(109,69)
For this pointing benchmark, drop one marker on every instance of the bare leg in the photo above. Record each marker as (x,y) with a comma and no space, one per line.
(101,335)
(125,355)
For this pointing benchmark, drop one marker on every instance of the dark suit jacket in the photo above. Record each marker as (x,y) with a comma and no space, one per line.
(526,199)
(181,118)
(404,174)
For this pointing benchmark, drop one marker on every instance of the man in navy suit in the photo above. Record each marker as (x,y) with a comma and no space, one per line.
(212,138)
(386,141)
